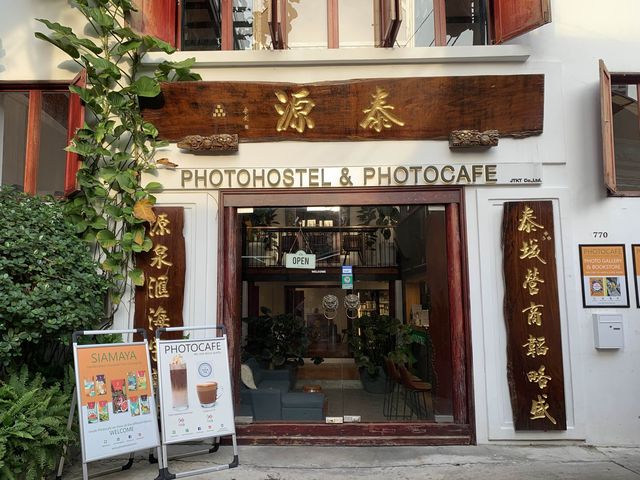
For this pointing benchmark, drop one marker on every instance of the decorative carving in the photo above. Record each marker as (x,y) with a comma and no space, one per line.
(223,142)
(473,138)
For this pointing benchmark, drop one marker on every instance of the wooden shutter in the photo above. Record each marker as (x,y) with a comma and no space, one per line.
(511,18)
(74,122)
(155,17)
(389,21)
(606,119)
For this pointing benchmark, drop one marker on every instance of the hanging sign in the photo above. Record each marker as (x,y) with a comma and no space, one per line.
(300,259)
(195,389)
(115,399)
(159,301)
(532,313)
(347,277)
(604,276)
(636,271)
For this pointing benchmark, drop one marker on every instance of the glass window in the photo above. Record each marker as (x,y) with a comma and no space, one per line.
(14,107)
(423,26)
(465,22)
(53,140)
(201,25)
(242,24)
(626,135)
(356,23)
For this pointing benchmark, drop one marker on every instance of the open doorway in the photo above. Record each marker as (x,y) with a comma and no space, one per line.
(401,319)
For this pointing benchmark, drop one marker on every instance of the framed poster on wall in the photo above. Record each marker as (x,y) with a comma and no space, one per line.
(604,276)
(635,251)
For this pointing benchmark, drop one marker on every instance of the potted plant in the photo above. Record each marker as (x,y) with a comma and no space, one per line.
(372,339)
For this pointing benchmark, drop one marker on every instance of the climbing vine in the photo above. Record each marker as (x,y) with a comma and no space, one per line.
(116,143)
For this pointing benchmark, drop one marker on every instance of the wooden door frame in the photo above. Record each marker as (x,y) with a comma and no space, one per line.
(462,430)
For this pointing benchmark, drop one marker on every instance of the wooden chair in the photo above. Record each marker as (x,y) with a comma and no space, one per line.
(353,242)
(418,394)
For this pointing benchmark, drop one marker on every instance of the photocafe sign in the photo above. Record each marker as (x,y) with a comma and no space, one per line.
(115,399)
(195,389)
(329,177)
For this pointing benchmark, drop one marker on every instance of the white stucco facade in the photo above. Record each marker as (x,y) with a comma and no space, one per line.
(601,387)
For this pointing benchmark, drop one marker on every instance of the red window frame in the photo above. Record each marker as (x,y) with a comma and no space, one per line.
(32,148)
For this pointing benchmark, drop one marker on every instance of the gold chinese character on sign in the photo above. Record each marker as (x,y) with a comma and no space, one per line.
(161,226)
(536,346)
(530,249)
(539,409)
(157,287)
(160,259)
(531,281)
(153,350)
(526,221)
(158,318)
(294,113)
(534,315)
(379,116)
(539,377)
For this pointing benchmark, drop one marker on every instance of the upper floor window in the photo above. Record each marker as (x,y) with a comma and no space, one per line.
(266,24)
(620,112)
(36,123)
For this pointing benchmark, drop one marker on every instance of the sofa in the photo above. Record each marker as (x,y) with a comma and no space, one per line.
(266,395)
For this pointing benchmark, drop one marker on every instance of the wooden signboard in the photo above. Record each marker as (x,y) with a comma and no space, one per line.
(371,109)
(532,314)
(159,301)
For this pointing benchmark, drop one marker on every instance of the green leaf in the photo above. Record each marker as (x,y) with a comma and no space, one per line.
(117,99)
(153,187)
(63,45)
(146,87)
(137,277)
(153,43)
(106,238)
(128,46)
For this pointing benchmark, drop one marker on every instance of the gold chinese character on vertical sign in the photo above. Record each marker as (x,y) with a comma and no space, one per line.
(379,116)
(294,113)
(531,281)
(154,353)
(158,318)
(534,315)
(539,377)
(526,222)
(157,287)
(161,226)
(536,346)
(530,249)
(160,260)
(540,409)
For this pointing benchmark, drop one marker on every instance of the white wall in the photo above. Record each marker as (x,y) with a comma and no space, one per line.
(601,387)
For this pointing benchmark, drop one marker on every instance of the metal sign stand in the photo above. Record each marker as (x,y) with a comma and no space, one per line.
(163,464)
(75,401)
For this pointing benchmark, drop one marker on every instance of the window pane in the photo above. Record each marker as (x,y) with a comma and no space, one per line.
(307,24)
(356,23)
(422,28)
(465,22)
(201,25)
(13,136)
(242,24)
(626,133)
(53,140)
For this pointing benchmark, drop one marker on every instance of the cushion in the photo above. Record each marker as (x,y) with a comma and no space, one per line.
(253,364)
(246,375)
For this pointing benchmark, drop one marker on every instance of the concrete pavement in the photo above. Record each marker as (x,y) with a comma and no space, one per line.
(424,463)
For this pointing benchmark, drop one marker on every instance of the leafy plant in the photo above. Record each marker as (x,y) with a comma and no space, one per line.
(49,285)
(117,144)
(33,426)
(277,339)
(373,338)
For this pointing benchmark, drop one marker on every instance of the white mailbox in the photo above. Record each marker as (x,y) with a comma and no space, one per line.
(608,330)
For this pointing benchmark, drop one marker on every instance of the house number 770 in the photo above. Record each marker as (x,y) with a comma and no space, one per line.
(600,234)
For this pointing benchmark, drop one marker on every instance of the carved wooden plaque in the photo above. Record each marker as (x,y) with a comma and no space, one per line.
(383,108)
(534,347)
(159,301)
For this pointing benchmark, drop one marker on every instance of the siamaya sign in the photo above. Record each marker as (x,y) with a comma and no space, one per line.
(115,399)
(159,301)
(195,389)
(532,314)
(328,177)
(369,109)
